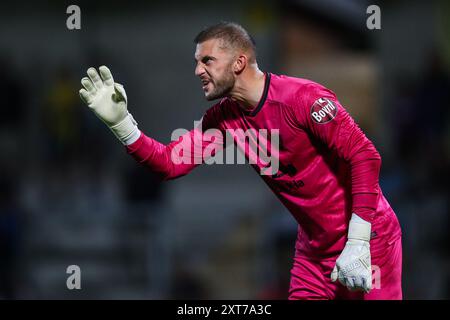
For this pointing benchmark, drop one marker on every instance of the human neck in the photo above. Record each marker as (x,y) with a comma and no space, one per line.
(249,88)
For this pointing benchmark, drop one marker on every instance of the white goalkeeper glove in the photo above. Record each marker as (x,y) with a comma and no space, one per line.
(108,100)
(353,267)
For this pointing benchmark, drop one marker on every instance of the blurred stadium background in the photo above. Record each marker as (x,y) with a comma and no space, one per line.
(69,194)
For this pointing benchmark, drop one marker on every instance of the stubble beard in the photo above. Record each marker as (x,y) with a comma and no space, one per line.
(222,87)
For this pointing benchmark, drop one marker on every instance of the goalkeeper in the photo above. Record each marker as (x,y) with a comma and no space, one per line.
(328,169)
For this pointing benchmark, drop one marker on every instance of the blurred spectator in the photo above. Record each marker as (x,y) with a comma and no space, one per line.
(62,118)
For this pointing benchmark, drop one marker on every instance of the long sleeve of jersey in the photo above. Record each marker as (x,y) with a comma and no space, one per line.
(323,117)
(179,157)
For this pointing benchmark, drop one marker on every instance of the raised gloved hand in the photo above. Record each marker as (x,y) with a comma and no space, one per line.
(353,267)
(108,101)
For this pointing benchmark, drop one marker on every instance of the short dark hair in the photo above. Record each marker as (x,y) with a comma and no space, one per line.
(233,35)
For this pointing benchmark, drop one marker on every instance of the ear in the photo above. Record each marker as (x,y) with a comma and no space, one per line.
(240,63)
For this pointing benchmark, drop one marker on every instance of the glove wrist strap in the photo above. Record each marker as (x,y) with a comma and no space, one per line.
(359,229)
(126,130)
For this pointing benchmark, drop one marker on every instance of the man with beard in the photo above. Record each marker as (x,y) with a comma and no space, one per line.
(328,172)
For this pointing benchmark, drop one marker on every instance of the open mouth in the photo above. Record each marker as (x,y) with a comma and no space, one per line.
(205,84)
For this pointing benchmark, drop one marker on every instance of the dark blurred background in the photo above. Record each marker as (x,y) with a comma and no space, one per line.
(69,194)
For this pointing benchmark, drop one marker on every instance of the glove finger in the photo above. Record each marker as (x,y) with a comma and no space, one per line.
(349,283)
(87,84)
(364,285)
(334,274)
(96,80)
(85,96)
(120,94)
(342,280)
(106,75)
(367,285)
(358,283)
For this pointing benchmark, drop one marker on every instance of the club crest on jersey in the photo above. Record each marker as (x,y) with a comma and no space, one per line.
(323,110)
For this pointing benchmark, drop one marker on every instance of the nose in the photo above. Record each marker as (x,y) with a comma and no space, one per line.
(199,70)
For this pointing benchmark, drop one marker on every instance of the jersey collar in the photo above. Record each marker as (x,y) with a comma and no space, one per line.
(261,102)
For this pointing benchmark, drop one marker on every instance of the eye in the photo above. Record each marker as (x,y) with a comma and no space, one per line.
(207,60)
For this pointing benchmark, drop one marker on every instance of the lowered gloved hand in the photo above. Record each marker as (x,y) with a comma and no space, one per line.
(353,267)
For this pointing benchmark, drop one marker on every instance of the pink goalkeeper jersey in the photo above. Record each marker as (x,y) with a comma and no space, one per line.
(327,166)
